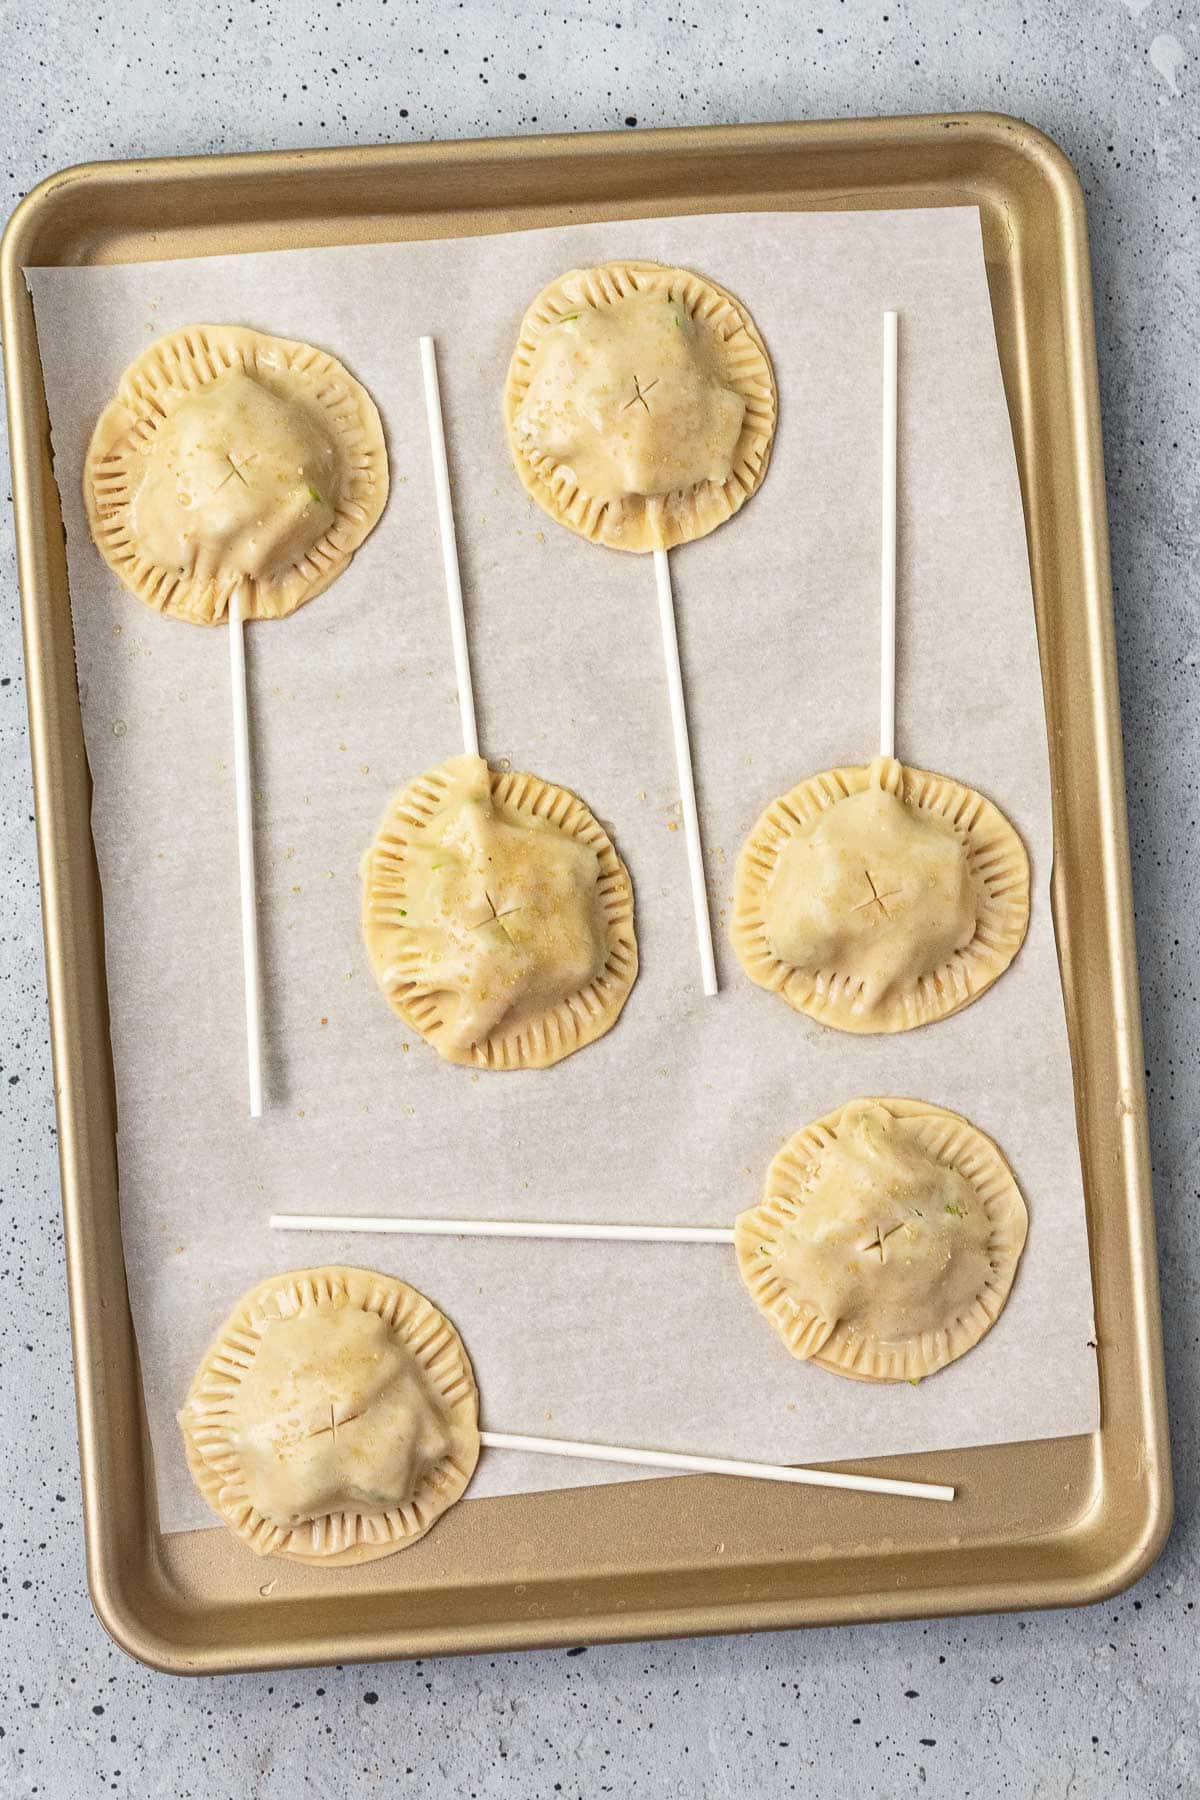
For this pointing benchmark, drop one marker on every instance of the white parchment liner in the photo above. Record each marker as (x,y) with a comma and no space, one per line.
(677,1112)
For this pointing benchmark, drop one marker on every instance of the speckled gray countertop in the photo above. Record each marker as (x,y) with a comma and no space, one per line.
(1091,1703)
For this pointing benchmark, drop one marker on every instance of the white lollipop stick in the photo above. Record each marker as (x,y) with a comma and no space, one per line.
(887,561)
(501,1228)
(445,512)
(713,1465)
(245,836)
(683,765)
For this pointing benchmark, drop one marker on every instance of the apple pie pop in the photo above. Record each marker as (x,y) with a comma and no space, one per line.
(878,898)
(232,477)
(497,914)
(640,409)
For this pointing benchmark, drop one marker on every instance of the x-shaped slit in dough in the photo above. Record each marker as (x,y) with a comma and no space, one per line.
(495,917)
(880,1239)
(236,469)
(333,1424)
(639,393)
(877,899)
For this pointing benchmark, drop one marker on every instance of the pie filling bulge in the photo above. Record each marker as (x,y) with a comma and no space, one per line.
(235,479)
(880,898)
(334,1417)
(640,404)
(886,1241)
(618,431)
(498,917)
(232,460)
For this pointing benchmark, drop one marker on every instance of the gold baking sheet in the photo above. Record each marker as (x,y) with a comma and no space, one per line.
(1060,1521)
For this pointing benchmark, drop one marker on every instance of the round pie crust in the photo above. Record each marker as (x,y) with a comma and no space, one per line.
(329,407)
(927,987)
(216,1434)
(406,956)
(636,521)
(878,1278)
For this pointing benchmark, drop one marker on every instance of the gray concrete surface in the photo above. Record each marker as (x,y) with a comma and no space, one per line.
(1092,1703)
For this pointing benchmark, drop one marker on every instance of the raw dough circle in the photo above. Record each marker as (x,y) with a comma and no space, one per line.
(878,899)
(640,404)
(334,1418)
(498,917)
(886,1240)
(229,456)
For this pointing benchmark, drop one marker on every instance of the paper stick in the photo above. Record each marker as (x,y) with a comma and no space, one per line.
(887,561)
(245,837)
(683,765)
(713,1465)
(501,1228)
(445,512)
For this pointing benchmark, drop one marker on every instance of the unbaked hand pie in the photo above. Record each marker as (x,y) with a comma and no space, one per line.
(886,1242)
(334,1418)
(640,404)
(880,898)
(498,917)
(230,456)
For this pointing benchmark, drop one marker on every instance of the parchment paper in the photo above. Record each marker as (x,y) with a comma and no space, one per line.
(676,1113)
